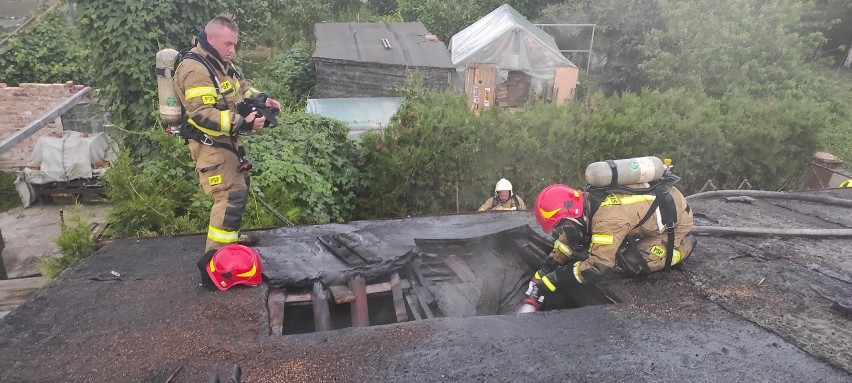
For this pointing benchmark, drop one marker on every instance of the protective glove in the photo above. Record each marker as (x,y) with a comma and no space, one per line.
(546,280)
(550,264)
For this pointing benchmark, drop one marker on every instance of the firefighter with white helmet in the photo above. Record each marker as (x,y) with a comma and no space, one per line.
(504,198)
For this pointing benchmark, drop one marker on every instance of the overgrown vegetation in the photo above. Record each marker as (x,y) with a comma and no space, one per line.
(126,35)
(75,243)
(416,165)
(729,89)
(50,53)
(726,140)
(8,195)
(305,169)
(289,76)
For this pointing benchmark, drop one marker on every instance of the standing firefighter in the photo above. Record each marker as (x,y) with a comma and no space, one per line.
(504,198)
(616,225)
(214,96)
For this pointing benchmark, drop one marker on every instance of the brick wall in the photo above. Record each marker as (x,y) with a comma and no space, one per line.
(20,106)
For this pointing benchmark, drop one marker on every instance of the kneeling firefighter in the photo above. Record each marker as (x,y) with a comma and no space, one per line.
(628,219)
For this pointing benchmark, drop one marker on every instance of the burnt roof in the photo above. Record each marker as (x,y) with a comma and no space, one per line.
(750,307)
(405,44)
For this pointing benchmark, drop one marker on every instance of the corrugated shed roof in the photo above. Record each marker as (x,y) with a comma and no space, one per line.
(405,44)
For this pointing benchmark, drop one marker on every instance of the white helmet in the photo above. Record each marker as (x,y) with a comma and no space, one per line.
(503,184)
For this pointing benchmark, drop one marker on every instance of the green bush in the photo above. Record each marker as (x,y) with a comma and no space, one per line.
(305,169)
(49,53)
(288,76)
(159,194)
(435,153)
(75,242)
(8,194)
(417,163)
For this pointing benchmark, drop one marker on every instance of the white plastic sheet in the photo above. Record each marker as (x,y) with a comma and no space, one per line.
(507,39)
(70,157)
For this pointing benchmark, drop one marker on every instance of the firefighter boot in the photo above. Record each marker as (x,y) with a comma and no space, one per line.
(248,239)
(205,280)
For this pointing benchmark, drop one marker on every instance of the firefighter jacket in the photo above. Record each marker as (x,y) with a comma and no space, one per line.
(514,203)
(618,217)
(211,106)
(210,101)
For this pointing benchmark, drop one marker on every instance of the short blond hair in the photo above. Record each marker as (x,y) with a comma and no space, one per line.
(225,20)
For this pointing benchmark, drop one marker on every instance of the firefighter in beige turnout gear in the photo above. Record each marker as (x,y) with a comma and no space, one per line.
(212,128)
(629,233)
(504,198)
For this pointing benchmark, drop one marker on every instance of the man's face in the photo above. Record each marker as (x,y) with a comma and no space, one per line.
(503,195)
(224,41)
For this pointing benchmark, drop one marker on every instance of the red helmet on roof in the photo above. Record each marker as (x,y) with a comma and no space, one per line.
(235,264)
(557,202)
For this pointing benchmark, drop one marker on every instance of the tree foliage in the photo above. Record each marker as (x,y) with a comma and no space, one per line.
(278,24)
(288,76)
(126,36)
(446,18)
(620,31)
(741,45)
(417,163)
(50,53)
(306,166)
(832,18)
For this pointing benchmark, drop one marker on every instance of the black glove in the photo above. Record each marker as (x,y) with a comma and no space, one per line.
(257,105)
(550,264)
(561,277)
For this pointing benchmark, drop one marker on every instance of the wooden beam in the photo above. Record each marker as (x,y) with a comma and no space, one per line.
(303,297)
(342,294)
(319,299)
(461,269)
(419,294)
(45,119)
(415,278)
(410,299)
(275,303)
(358,307)
(398,303)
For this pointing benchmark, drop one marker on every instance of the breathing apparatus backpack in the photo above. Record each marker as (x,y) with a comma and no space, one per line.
(171,110)
(173,113)
(609,177)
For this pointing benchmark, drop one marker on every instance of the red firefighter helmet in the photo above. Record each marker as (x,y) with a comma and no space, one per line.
(235,264)
(557,202)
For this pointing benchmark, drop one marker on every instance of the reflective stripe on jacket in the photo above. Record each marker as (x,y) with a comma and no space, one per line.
(202,101)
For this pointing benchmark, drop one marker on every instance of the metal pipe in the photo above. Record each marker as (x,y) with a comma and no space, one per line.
(771,194)
(770,232)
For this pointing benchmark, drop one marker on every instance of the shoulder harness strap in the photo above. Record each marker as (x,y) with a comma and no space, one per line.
(663,200)
(188,54)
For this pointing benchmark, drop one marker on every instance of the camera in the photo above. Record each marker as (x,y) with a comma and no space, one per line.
(257,105)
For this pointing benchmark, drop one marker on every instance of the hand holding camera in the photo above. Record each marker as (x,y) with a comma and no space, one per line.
(256,107)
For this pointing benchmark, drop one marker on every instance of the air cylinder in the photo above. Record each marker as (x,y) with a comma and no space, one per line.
(170,108)
(626,171)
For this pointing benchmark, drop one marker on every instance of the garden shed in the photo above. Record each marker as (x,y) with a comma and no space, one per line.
(373,59)
(526,57)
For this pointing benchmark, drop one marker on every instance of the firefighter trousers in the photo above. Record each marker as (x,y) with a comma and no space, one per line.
(220,175)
